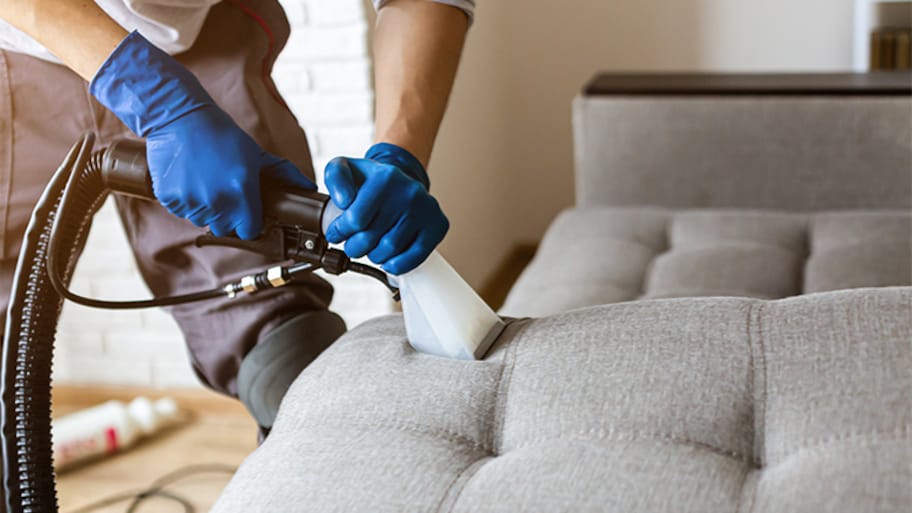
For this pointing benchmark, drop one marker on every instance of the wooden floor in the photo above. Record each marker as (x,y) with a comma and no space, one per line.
(218,431)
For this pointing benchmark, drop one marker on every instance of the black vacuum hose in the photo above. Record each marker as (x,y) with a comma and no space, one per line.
(54,239)
(31,325)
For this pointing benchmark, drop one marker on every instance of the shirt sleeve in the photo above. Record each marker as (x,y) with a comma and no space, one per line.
(467,6)
(172,25)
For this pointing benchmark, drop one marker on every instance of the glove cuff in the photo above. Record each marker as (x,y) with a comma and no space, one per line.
(145,87)
(400,157)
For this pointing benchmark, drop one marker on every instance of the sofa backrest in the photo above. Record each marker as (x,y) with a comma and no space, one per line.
(794,142)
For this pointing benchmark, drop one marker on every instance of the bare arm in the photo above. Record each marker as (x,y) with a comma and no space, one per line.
(417,45)
(76,31)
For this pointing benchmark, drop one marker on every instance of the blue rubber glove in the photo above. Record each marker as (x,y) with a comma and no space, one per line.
(204,167)
(388,213)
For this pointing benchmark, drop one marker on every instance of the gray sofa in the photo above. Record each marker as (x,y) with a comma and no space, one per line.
(615,388)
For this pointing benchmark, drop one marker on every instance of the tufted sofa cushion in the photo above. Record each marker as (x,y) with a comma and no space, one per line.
(674,405)
(593,256)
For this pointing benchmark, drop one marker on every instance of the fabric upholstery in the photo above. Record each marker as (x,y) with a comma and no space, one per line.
(592,256)
(773,152)
(674,405)
(793,396)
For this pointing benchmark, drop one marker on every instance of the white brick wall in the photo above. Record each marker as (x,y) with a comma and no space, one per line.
(324,74)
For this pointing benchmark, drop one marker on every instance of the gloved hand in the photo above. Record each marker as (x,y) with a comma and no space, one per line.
(204,167)
(388,213)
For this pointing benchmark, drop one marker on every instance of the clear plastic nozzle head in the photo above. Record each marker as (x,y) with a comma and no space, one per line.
(444,316)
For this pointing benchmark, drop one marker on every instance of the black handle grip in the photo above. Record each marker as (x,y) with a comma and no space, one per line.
(125,171)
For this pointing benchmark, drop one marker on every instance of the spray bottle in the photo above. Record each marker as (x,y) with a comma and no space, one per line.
(108,428)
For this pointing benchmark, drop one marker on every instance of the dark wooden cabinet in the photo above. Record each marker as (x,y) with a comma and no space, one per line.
(751,84)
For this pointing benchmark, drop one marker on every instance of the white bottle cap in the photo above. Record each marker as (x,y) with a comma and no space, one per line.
(167,409)
(142,413)
(149,416)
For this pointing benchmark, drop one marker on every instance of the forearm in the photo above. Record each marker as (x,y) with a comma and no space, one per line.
(78,32)
(417,45)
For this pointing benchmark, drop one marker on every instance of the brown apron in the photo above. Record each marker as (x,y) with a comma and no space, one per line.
(45,107)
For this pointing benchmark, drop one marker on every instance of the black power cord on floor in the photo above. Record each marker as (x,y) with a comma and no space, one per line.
(158,488)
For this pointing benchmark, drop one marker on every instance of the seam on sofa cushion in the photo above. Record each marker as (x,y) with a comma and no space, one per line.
(457,485)
(753,490)
(454,490)
(503,388)
(760,381)
(611,435)
(901,432)
(751,379)
(445,435)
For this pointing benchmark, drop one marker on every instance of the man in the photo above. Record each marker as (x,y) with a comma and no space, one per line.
(214,123)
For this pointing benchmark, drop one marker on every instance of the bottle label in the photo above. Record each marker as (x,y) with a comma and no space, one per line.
(111,440)
(78,449)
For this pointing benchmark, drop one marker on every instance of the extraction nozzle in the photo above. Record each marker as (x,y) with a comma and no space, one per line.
(444,316)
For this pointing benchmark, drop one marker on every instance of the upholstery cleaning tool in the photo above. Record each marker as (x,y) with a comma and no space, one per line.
(108,428)
(443,316)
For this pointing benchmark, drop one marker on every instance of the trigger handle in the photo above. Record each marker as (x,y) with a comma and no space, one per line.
(125,171)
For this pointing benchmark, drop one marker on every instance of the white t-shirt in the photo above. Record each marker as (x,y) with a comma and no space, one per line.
(172,25)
